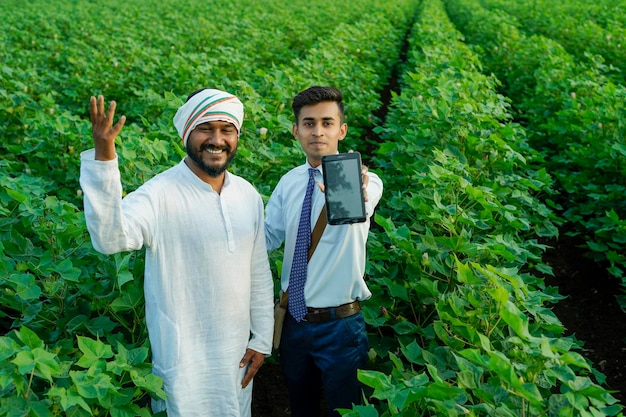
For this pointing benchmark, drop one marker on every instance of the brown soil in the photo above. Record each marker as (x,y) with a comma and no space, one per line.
(270,394)
(590,313)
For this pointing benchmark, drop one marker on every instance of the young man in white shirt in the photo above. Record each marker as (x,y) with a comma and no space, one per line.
(327,346)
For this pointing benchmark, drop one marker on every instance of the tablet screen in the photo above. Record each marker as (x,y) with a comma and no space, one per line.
(344,195)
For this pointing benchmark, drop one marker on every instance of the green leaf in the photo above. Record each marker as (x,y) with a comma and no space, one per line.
(465,274)
(8,347)
(413,353)
(76,323)
(150,382)
(597,246)
(68,398)
(26,286)
(123,277)
(573,358)
(405,327)
(40,408)
(466,380)
(47,363)
(503,367)
(360,411)
(29,338)
(101,326)
(442,391)
(396,290)
(16,195)
(92,385)
(474,356)
(42,363)
(132,357)
(131,410)
(93,352)
(621,148)
(532,393)
(516,319)
(397,363)
(25,362)
(562,372)
(66,270)
(375,379)
(121,265)
(130,299)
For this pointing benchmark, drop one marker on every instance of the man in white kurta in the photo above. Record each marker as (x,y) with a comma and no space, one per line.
(207,284)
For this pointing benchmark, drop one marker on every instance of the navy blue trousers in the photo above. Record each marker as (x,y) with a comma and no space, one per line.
(328,354)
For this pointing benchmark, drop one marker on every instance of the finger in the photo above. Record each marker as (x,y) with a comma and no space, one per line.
(246,358)
(248,377)
(110,113)
(321,186)
(118,126)
(100,107)
(92,109)
(365,181)
(254,366)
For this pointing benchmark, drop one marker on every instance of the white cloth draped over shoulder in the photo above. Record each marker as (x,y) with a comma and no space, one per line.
(207,284)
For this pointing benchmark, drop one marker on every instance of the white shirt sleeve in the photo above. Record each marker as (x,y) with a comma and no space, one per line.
(110,229)
(261,293)
(374,193)
(274,221)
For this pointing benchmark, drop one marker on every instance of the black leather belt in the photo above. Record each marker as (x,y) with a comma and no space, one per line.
(318,315)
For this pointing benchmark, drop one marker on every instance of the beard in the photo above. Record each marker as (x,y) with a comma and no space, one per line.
(214,170)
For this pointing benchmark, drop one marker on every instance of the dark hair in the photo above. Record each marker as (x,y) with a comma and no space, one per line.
(194,93)
(314,95)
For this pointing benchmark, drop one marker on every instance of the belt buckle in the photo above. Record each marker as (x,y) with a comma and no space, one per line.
(316,315)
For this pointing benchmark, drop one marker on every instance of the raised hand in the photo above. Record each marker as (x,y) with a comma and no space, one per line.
(102,128)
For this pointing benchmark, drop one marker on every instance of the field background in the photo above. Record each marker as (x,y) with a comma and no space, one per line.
(498,128)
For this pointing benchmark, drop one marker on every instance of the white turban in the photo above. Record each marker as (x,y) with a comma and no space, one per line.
(207,106)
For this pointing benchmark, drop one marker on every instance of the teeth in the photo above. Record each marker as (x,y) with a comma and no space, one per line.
(213,151)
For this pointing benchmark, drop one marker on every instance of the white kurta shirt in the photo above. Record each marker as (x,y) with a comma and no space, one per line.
(335,273)
(207,284)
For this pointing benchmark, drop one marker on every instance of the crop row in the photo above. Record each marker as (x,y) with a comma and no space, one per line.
(606,13)
(574,116)
(147,57)
(458,320)
(466,325)
(575,32)
(78,343)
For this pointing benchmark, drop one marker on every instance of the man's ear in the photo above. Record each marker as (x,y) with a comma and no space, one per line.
(344,131)
(294,130)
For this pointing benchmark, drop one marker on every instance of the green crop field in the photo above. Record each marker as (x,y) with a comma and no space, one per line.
(493,124)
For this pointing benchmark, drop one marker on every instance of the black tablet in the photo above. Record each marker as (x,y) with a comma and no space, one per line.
(342,184)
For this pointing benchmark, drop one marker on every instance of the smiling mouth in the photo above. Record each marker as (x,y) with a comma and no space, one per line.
(214,151)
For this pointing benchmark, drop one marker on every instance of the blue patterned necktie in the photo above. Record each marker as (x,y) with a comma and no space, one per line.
(297,277)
